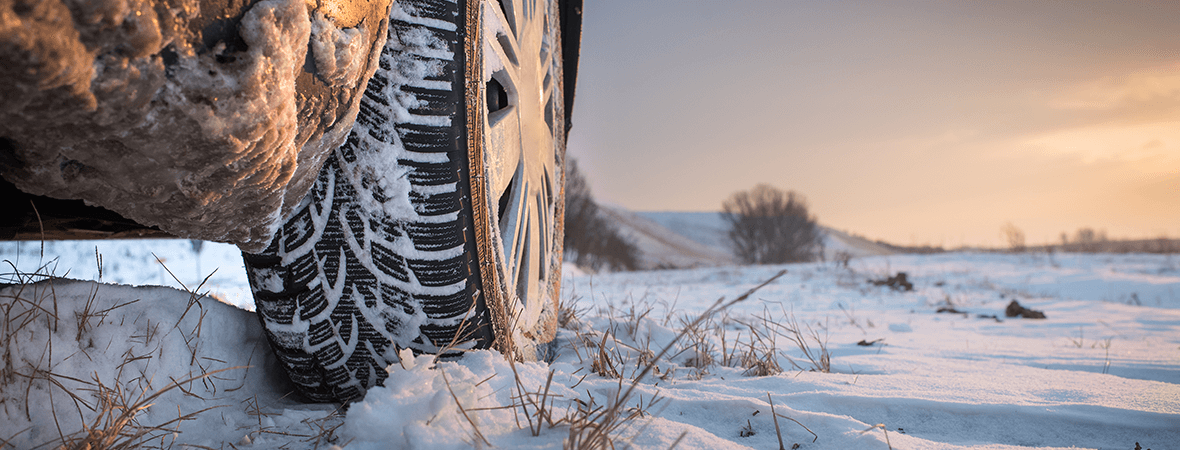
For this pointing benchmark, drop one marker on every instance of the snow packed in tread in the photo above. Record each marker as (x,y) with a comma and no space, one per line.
(358,278)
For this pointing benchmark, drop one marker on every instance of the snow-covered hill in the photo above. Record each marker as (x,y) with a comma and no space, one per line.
(700,239)
(692,243)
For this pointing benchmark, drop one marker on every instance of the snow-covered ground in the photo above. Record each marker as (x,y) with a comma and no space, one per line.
(1101,371)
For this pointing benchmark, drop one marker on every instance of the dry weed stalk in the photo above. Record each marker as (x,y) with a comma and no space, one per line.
(463,411)
(568,313)
(818,357)
(192,338)
(603,363)
(700,344)
(883,430)
(760,358)
(541,401)
(775,415)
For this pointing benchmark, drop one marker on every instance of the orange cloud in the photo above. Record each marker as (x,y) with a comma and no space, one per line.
(1148,148)
(1160,83)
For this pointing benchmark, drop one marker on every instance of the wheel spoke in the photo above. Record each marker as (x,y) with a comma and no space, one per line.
(504,132)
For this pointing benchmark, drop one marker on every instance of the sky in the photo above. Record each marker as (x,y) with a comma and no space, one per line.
(916,122)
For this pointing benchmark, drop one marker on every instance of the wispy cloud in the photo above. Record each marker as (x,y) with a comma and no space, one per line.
(1149,147)
(1142,86)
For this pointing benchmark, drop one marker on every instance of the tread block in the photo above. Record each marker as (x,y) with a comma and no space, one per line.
(311,304)
(431,102)
(297,230)
(319,189)
(436,236)
(426,138)
(356,223)
(298,363)
(348,393)
(374,123)
(359,366)
(319,333)
(375,90)
(330,261)
(446,10)
(434,204)
(302,271)
(347,151)
(443,336)
(336,375)
(396,298)
(398,28)
(261,260)
(369,334)
(430,174)
(389,262)
(440,273)
(276,309)
(387,231)
(328,355)
(344,317)
(445,305)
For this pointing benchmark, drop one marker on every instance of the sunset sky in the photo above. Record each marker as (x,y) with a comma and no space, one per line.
(923,122)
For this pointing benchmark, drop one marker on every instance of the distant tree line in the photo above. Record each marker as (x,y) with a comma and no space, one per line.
(591,240)
(1089,240)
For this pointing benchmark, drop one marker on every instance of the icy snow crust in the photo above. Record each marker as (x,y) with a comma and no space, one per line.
(940,381)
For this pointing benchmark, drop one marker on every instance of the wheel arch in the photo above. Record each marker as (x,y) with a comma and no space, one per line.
(571,46)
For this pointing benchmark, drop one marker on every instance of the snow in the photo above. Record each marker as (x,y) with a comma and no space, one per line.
(339,53)
(1102,371)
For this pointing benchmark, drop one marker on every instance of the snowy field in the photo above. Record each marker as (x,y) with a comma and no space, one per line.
(1102,371)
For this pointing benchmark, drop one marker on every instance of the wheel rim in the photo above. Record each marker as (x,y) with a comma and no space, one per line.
(521,145)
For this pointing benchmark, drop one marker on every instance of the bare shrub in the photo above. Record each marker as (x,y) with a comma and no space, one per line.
(1087,240)
(771,226)
(1014,236)
(591,240)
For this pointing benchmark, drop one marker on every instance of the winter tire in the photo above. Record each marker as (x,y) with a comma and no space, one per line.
(437,226)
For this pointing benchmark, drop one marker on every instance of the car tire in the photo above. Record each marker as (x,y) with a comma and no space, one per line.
(437,226)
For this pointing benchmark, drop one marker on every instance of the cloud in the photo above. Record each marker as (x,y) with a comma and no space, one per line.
(1148,148)
(1141,86)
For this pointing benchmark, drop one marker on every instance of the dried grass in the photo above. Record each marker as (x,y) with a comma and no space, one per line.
(116,425)
(109,411)
(593,426)
(809,342)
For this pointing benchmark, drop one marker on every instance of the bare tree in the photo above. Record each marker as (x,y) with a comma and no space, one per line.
(1088,240)
(1014,236)
(591,240)
(771,226)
